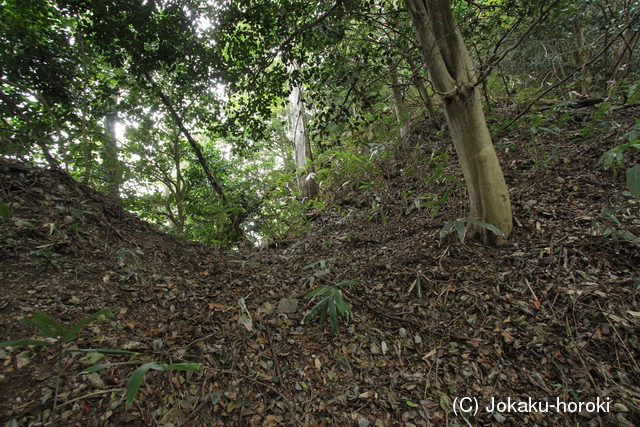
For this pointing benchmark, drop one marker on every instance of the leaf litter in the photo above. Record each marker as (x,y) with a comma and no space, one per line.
(552,315)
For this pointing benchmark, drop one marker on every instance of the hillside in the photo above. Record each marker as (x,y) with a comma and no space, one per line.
(554,314)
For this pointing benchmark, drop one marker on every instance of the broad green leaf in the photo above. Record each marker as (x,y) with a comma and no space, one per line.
(322,290)
(333,317)
(135,380)
(486,225)
(341,305)
(325,309)
(103,351)
(4,210)
(18,343)
(44,319)
(313,311)
(347,283)
(444,230)
(461,229)
(70,335)
(44,330)
(160,366)
(185,366)
(633,180)
(431,203)
(102,366)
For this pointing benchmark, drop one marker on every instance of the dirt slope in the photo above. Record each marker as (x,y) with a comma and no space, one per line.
(552,315)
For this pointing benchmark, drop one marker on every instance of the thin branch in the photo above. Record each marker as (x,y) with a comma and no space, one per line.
(593,60)
(493,62)
(196,148)
(44,102)
(295,34)
(39,139)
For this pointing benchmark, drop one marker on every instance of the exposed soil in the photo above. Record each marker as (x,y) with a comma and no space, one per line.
(552,315)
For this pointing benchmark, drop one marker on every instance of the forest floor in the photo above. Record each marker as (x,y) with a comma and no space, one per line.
(551,318)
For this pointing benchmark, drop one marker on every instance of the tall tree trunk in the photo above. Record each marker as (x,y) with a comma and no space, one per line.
(580,58)
(398,103)
(179,187)
(454,79)
(86,150)
(302,148)
(110,163)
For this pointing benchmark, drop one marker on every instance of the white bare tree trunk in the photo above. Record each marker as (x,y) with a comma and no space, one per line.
(302,147)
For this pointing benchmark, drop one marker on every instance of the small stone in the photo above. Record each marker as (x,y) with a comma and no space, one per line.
(363,422)
(402,332)
(417,339)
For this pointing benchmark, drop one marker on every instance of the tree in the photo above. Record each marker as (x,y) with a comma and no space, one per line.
(110,156)
(302,148)
(454,79)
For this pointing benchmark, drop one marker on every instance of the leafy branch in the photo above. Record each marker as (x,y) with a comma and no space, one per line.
(333,304)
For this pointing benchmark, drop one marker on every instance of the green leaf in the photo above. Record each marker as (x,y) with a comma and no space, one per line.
(325,309)
(44,319)
(185,366)
(133,385)
(313,311)
(485,225)
(447,227)
(341,305)
(410,404)
(633,180)
(102,366)
(18,343)
(70,335)
(214,398)
(322,290)
(103,351)
(44,330)
(4,210)
(461,229)
(347,283)
(333,317)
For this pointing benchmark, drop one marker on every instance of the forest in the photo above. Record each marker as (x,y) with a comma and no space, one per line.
(310,213)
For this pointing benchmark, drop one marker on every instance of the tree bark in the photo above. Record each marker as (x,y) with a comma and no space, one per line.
(398,103)
(454,79)
(302,148)
(110,163)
